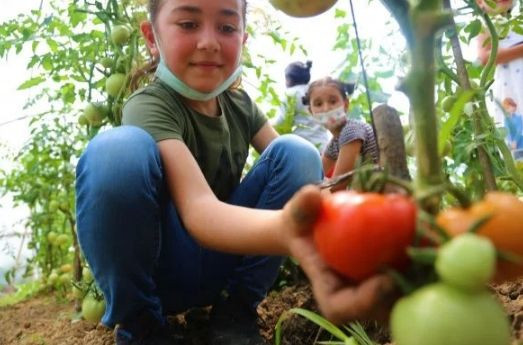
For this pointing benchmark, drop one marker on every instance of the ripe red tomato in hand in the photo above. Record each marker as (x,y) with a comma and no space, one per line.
(359,234)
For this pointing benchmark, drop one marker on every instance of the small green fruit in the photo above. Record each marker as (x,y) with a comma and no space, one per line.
(120,34)
(447,103)
(106,62)
(94,114)
(51,237)
(82,120)
(302,8)
(62,239)
(114,84)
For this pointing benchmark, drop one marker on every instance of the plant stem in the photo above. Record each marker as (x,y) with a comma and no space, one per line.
(484,160)
(426,20)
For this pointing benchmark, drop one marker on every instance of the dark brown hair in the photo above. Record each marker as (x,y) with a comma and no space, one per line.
(345,89)
(144,73)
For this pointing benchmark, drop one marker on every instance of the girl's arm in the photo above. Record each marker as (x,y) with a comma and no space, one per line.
(328,165)
(346,160)
(504,55)
(211,222)
(236,229)
(263,137)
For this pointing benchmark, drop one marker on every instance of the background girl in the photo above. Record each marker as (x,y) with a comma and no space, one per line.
(328,102)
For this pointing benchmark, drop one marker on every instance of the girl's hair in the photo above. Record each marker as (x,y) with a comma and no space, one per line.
(345,89)
(298,73)
(144,73)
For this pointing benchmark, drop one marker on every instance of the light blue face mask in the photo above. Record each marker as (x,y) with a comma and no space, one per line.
(164,74)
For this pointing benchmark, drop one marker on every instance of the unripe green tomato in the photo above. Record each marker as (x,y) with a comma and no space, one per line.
(65,278)
(302,8)
(87,274)
(62,239)
(120,34)
(76,292)
(439,314)
(94,113)
(121,64)
(82,120)
(51,237)
(447,102)
(114,84)
(66,268)
(467,261)
(92,310)
(53,278)
(106,62)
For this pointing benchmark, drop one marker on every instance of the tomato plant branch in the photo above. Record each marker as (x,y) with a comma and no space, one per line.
(426,20)
(442,66)
(485,83)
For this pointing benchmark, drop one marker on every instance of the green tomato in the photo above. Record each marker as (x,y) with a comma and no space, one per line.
(76,292)
(62,239)
(120,34)
(92,310)
(65,278)
(53,278)
(66,268)
(467,261)
(447,103)
(51,237)
(302,8)
(82,120)
(94,113)
(439,314)
(87,274)
(106,62)
(114,84)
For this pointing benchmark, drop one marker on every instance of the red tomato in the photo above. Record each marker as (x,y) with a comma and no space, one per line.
(358,234)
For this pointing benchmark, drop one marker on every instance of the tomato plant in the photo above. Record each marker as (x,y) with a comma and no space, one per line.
(359,234)
(504,227)
(440,314)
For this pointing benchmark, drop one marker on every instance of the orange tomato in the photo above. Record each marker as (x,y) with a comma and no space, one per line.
(504,228)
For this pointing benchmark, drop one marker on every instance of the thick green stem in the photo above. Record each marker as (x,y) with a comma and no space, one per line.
(420,88)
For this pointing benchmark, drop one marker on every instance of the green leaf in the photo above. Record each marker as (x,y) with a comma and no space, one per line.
(473,28)
(31,83)
(455,114)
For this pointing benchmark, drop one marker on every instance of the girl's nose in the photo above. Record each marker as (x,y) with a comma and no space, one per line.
(208,39)
(325,108)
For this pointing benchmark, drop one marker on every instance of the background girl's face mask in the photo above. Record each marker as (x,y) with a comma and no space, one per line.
(332,119)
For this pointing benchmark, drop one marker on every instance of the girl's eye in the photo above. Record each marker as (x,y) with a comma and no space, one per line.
(228,28)
(188,25)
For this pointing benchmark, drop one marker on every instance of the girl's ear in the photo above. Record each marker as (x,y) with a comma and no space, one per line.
(346,103)
(245,37)
(146,27)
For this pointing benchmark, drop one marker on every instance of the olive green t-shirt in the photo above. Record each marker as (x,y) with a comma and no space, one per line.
(220,144)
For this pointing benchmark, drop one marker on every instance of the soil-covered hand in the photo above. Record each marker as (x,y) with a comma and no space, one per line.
(339,300)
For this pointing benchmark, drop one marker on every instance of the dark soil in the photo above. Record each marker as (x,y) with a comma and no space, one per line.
(45,320)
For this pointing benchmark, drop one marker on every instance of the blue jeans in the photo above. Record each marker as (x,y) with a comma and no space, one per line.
(141,255)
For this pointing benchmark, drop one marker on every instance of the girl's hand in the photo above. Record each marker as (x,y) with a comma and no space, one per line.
(339,300)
